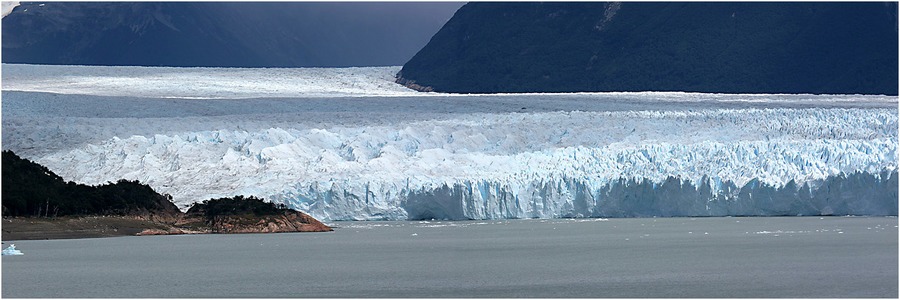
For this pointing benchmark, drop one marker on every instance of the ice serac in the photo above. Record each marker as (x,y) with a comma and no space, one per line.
(704,162)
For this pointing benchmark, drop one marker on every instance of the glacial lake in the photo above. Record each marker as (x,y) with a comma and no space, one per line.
(630,257)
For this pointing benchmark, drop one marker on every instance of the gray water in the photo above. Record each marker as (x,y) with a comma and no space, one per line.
(638,257)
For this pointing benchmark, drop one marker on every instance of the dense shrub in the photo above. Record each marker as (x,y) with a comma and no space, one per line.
(236,206)
(30,189)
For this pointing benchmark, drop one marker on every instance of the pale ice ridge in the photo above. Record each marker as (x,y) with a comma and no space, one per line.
(36,124)
(510,165)
(203,83)
(245,83)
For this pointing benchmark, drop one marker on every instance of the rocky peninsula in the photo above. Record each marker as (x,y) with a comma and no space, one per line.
(38,204)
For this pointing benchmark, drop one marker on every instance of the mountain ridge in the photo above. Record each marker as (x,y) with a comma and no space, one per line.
(222,34)
(734,47)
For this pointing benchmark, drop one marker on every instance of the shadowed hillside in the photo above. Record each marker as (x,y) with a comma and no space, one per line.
(32,190)
(820,48)
(220,34)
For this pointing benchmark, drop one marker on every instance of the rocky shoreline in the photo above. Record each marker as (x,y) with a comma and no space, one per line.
(33,228)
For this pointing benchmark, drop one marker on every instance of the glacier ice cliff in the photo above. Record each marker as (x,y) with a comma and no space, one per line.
(529,165)
(857,193)
(349,144)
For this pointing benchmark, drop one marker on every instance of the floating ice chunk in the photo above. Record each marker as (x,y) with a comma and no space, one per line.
(11,250)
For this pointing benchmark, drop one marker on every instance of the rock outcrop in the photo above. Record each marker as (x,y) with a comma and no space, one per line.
(292,221)
(241,214)
(289,221)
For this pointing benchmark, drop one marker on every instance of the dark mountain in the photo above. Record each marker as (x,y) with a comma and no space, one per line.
(732,47)
(230,34)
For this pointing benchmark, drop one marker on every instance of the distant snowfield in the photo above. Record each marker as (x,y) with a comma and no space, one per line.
(244,83)
(203,83)
(6,7)
(349,144)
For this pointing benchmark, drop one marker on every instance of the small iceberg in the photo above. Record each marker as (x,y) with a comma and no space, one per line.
(11,250)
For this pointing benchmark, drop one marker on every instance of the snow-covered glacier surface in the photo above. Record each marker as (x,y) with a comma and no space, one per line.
(385,153)
(203,83)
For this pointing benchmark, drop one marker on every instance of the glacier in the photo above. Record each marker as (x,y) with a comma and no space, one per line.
(6,7)
(360,148)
